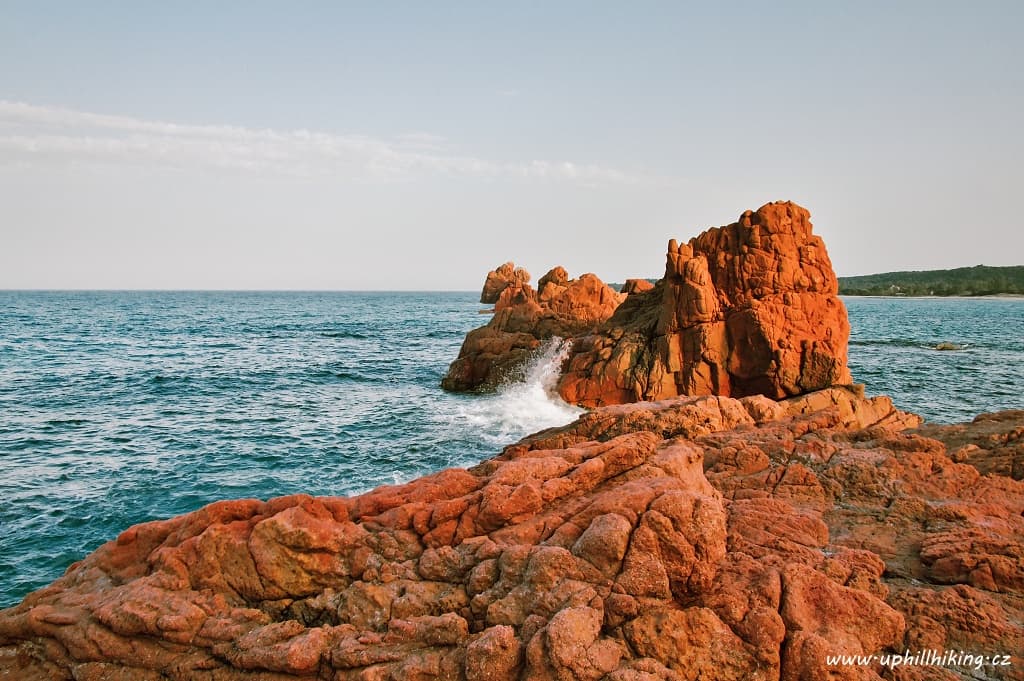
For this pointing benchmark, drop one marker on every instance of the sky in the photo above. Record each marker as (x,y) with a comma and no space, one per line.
(415,146)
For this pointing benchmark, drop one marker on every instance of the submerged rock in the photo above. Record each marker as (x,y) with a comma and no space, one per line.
(700,537)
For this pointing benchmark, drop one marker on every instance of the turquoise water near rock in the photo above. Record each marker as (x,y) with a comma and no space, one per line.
(894,350)
(122,407)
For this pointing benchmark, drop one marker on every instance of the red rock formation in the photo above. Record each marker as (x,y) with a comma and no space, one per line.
(501,278)
(703,537)
(750,308)
(1000,452)
(523,320)
(636,286)
(557,276)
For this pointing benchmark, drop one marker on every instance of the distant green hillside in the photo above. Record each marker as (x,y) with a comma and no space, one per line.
(980,280)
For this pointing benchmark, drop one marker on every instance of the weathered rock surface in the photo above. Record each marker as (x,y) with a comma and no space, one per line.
(636,286)
(692,538)
(501,278)
(523,320)
(750,308)
(746,309)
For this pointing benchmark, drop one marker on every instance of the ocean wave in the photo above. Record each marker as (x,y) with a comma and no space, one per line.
(355,335)
(66,422)
(520,407)
(332,372)
(909,343)
(456,333)
(890,343)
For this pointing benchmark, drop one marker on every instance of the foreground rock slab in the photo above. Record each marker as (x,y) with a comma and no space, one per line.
(693,538)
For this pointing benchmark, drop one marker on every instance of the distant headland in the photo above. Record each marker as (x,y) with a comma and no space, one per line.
(980,280)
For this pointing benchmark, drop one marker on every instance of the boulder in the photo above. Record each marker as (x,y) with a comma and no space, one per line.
(501,278)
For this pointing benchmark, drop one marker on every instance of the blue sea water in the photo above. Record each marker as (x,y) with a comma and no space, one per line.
(893,351)
(122,407)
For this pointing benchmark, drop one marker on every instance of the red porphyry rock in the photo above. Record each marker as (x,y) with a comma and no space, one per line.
(746,309)
(501,278)
(557,275)
(523,320)
(700,537)
(636,286)
(750,308)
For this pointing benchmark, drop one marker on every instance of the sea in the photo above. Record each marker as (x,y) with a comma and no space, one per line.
(122,407)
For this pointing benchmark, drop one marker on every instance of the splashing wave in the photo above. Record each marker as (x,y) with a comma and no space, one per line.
(523,406)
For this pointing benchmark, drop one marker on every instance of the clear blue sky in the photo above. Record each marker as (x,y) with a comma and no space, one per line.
(417,145)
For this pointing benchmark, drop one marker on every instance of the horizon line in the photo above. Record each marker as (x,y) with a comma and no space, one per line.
(228,290)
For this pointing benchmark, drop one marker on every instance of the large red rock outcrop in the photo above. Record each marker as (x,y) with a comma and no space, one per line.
(501,278)
(749,308)
(523,320)
(704,537)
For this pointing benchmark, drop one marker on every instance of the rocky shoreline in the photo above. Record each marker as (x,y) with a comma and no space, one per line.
(731,508)
(702,537)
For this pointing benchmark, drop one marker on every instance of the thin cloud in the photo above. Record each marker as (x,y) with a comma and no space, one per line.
(41,134)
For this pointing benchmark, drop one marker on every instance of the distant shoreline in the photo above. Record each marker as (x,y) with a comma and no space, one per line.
(1007,296)
(969,282)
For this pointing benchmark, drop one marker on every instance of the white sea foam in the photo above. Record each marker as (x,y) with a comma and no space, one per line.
(522,406)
